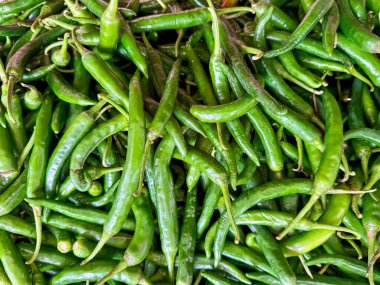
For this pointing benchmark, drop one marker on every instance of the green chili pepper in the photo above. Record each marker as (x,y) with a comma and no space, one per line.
(11,259)
(316,12)
(130,178)
(37,164)
(329,166)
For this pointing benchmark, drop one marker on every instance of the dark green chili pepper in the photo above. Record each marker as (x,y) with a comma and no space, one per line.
(64,239)
(95,271)
(261,125)
(78,129)
(216,279)
(165,202)
(215,173)
(12,30)
(330,25)
(351,221)
(279,19)
(369,107)
(58,117)
(14,194)
(38,277)
(228,155)
(87,230)
(25,38)
(32,98)
(188,120)
(65,91)
(84,214)
(48,255)
(306,280)
(370,135)
(190,18)
(209,204)
(356,121)
(313,47)
(79,198)
(127,40)
(291,151)
(345,263)
(103,75)
(109,159)
(246,256)
(12,261)
(16,225)
(187,241)
(15,125)
(166,105)
(110,24)
(60,56)
(17,6)
(82,248)
(203,263)
(224,112)
(275,257)
(273,108)
(356,31)
(80,179)
(359,9)
(276,218)
(295,69)
(368,62)
(272,79)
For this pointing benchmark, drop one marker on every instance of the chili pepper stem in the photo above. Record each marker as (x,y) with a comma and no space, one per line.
(11,82)
(364,163)
(371,234)
(37,211)
(181,33)
(313,199)
(356,247)
(317,121)
(323,269)
(300,154)
(82,20)
(346,168)
(371,265)
(304,265)
(219,128)
(355,206)
(103,239)
(53,21)
(374,177)
(358,75)
(53,45)
(25,152)
(123,264)
(170,259)
(65,45)
(227,202)
(77,45)
(141,182)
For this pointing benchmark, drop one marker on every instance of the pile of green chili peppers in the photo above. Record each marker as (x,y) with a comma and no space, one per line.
(190,142)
